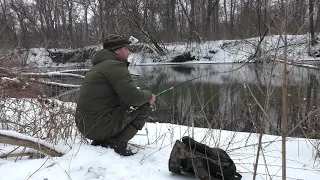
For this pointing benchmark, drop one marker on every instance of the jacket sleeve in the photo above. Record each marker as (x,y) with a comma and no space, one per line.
(122,82)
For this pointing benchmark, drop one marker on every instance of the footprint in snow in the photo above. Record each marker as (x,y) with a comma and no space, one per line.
(95,173)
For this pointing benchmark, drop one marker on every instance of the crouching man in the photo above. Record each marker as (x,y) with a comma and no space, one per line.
(103,111)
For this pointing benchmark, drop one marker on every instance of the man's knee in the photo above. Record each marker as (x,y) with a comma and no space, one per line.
(138,124)
(142,116)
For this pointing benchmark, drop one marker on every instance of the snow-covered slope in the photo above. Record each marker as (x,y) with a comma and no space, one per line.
(222,51)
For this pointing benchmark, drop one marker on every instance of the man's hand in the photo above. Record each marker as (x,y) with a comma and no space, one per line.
(153,99)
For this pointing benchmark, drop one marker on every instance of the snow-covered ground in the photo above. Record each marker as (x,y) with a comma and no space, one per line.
(85,162)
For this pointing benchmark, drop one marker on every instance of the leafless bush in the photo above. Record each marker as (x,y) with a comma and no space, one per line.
(25,108)
(13,57)
(41,118)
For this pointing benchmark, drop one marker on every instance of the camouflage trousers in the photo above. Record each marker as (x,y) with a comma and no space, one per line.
(109,125)
(122,117)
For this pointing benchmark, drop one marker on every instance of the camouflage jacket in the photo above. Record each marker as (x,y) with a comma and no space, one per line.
(106,85)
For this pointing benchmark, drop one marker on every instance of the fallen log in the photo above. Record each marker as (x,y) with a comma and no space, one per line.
(71,56)
(52,74)
(14,138)
(16,155)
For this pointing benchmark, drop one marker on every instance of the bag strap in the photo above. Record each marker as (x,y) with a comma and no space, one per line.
(202,172)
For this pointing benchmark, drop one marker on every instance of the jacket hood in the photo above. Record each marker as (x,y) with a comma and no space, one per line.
(103,55)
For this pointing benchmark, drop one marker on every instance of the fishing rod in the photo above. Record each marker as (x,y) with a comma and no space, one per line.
(166,90)
(173,87)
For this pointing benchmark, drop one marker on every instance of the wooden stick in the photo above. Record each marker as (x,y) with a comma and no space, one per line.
(6,139)
(12,155)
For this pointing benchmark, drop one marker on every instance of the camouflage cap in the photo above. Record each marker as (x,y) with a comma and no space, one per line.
(113,42)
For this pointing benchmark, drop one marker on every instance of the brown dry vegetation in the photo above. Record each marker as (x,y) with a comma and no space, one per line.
(30,111)
(12,84)
(25,89)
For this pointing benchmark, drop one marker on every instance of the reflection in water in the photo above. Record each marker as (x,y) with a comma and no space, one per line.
(183,70)
(234,96)
(247,99)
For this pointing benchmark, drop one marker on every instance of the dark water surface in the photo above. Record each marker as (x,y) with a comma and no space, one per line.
(232,96)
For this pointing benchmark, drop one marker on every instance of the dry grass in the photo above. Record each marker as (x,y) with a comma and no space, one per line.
(25,108)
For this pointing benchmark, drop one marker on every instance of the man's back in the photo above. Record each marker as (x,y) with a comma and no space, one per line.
(96,92)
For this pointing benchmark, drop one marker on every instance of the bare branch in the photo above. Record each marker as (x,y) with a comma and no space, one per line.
(43,148)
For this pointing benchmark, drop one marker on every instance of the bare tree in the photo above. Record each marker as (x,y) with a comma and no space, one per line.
(317,23)
(85,4)
(8,20)
(212,17)
(64,23)
(311,22)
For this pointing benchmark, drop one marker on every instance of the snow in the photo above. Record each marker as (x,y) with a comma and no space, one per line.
(60,149)
(231,51)
(59,84)
(221,51)
(86,162)
(54,74)
(6,79)
(89,162)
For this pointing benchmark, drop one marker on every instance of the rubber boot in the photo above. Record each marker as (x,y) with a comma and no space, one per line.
(96,143)
(119,143)
(120,147)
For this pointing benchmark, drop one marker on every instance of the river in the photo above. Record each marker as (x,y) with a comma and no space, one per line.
(239,97)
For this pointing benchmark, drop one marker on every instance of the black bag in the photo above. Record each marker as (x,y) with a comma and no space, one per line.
(205,162)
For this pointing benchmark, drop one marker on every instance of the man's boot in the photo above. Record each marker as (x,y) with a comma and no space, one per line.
(96,143)
(120,147)
(120,142)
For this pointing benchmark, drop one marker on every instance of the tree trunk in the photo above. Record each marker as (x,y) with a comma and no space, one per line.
(232,15)
(216,20)
(192,19)
(69,6)
(102,29)
(207,24)
(173,19)
(86,29)
(10,31)
(51,19)
(311,23)
(70,24)
(226,24)
(317,26)
(22,35)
